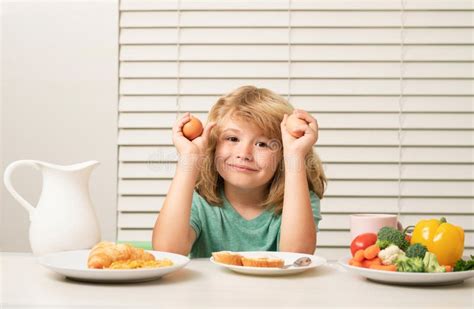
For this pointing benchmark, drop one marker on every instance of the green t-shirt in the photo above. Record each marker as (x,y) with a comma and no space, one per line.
(223,228)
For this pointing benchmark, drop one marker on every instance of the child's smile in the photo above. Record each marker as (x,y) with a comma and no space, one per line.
(242,168)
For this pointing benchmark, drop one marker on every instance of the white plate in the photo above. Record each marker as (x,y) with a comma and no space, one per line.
(73,264)
(403,278)
(289,258)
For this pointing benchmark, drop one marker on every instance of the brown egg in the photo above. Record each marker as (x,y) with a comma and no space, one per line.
(193,128)
(292,123)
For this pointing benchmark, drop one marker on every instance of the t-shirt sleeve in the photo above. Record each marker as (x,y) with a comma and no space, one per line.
(315,206)
(195,218)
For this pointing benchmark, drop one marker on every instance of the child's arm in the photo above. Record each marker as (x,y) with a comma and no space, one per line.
(172,231)
(298,230)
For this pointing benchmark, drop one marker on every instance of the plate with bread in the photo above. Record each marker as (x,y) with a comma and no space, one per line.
(110,262)
(265,263)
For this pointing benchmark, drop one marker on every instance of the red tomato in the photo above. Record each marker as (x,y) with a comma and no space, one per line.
(408,238)
(363,241)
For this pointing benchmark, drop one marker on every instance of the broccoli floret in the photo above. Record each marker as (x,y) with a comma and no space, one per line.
(393,236)
(412,265)
(383,244)
(431,264)
(416,250)
(462,265)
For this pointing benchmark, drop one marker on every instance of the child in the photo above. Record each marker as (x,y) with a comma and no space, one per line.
(245,184)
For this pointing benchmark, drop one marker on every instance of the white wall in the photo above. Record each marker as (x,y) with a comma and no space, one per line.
(59,101)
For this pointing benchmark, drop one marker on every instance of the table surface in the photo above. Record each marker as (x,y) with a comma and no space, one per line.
(24,282)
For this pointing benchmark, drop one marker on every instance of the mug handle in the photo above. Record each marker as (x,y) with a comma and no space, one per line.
(399,226)
(8,183)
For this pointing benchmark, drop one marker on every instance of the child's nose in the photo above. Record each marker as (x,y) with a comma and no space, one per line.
(245,151)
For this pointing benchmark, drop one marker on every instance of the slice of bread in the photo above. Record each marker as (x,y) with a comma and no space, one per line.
(227,257)
(263,262)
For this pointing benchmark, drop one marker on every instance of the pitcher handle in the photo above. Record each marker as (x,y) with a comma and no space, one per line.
(8,184)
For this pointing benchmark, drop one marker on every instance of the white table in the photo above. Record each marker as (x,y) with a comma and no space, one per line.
(203,284)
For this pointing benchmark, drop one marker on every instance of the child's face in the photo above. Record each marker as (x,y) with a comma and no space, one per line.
(245,158)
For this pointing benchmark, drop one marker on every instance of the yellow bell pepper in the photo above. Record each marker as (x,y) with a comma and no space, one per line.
(443,239)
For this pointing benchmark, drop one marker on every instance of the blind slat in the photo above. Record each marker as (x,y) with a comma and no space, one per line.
(329,121)
(337,104)
(329,137)
(299,19)
(346,52)
(429,206)
(337,188)
(411,155)
(298,70)
(329,221)
(300,4)
(299,36)
(333,171)
(300,87)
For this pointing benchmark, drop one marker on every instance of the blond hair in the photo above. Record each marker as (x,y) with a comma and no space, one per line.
(266,110)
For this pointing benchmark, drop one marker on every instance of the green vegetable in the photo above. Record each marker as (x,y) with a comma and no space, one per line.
(411,265)
(416,250)
(462,265)
(392,236)
(431,264)
(383,244)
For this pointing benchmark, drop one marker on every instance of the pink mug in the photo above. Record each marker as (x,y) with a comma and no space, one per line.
(372,223)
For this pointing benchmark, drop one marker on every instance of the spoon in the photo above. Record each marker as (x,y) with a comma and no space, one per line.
(302,261)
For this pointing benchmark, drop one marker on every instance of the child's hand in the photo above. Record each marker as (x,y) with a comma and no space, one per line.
(185,147)
(299,146)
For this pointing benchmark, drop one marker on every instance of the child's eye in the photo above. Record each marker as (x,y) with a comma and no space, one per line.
(262,144)
(232,139)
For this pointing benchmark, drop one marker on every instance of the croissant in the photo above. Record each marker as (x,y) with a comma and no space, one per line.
(105,253)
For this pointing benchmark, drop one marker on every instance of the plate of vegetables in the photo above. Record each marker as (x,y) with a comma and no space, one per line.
(431,255)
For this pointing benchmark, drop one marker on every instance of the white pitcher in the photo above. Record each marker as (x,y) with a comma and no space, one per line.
(64,218)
